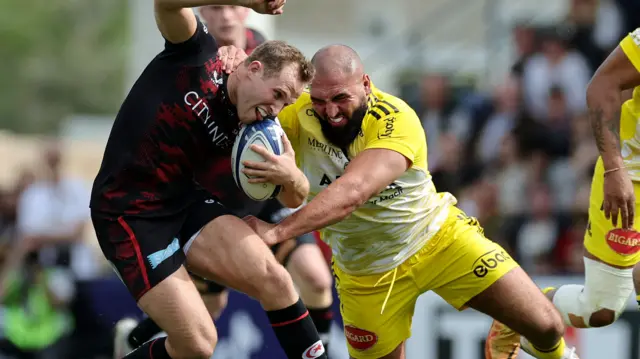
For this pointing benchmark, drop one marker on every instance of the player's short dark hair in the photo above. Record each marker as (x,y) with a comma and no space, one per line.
(276,55)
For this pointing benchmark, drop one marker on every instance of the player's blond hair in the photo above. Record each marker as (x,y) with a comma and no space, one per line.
(276,55)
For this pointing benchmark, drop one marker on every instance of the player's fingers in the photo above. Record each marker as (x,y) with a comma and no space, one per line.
(624,216)
(263,152)
(258,180)
(230,64)
(275,4)
(631,209)
(286,143)
(606,208)
(223,61)
(239,57)
(254,173)
(613,214)
(257,166)
(223,54)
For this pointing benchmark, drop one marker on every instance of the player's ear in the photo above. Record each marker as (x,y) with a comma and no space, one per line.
(255,67)
(366,82)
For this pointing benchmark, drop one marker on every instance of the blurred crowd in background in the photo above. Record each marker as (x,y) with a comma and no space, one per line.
(519,157)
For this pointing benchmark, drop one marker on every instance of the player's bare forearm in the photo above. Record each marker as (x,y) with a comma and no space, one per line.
(330,206)
(604,116)
(296,192)
(367,174)
(604,100)
(177,22)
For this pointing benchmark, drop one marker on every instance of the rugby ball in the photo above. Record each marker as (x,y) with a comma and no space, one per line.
(266,133)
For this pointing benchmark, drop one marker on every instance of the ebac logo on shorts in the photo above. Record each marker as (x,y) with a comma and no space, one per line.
(489,261)
(624,241)
(360,339)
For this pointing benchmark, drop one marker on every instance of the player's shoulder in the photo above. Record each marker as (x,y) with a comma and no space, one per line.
(303,101)
(291,115)
(384,104)
(630,45)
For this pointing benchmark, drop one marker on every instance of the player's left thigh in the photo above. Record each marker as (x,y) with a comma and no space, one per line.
(482,275)
(310,271)
(377,317)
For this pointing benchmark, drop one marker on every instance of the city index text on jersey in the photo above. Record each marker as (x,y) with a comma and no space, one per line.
(200,107)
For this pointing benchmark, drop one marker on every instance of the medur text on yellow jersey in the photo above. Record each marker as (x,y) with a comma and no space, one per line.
(393,225)
(630,112)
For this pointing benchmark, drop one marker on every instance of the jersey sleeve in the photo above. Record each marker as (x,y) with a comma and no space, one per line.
(288,118)
(400,132)
(200,42)
(631,47)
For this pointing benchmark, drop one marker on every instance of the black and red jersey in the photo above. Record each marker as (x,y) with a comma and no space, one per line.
(174,131)
(224,187)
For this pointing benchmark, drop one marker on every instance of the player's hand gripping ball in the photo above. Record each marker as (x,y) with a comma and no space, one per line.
(268,134)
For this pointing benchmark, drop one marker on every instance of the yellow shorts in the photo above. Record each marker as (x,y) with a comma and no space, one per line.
(612,245)
(458,263)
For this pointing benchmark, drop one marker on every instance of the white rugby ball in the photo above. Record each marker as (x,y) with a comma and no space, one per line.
(268,134)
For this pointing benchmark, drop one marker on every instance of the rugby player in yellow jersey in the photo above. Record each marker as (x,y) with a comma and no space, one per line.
(393,236)
(611,241)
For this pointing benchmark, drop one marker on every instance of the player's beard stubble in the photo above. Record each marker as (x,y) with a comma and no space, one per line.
(343,136)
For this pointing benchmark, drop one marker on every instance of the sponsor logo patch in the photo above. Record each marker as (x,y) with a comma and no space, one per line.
(623,241)
(360,339)
(488,262)
(314,351)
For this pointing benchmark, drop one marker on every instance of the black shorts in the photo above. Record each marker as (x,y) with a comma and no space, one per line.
(145,251)
(273,212)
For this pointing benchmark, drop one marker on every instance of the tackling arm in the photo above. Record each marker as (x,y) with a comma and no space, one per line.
(604,100)
(366,175)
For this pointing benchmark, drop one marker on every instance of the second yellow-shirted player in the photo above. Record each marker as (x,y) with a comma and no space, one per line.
(393,236)
(611,240)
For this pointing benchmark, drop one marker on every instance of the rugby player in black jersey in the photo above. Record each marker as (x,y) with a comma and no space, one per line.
(301,256)
(171,139)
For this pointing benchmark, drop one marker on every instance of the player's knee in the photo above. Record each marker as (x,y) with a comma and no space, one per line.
(203,350)
(549,327)
(199,345)
(316,282)
(552,330)
(602,318)
(275,282)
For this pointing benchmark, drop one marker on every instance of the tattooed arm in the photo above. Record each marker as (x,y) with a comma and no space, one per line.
(604,100)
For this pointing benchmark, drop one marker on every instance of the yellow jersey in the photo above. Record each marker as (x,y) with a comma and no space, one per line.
(630,112)
(396,223)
